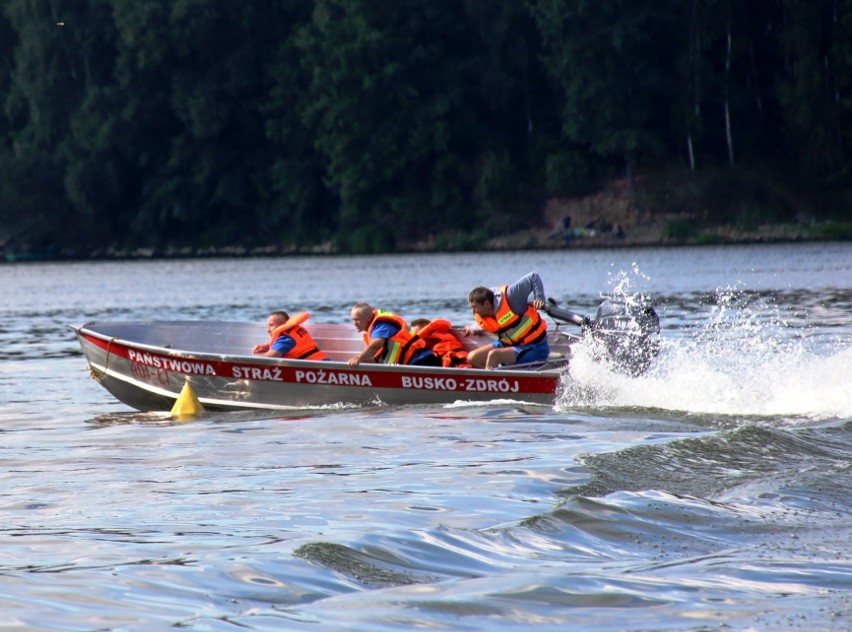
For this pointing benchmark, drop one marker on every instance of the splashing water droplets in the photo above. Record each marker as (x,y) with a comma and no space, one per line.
(622,285)
(733,357)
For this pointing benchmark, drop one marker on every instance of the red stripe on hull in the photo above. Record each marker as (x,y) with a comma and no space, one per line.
(143,361)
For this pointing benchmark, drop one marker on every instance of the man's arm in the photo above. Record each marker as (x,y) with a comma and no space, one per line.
(368,353)
(519,292)
(279,348)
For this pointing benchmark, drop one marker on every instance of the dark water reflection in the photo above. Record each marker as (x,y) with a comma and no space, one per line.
(711,493)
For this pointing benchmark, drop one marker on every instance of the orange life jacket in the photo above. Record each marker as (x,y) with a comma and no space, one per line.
(511,328)
(444,344)
(402,346)
(306,348)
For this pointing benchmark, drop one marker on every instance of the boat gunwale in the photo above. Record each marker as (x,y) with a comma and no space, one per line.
(85,329)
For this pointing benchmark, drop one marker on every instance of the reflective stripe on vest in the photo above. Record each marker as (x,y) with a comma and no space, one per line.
(399,348)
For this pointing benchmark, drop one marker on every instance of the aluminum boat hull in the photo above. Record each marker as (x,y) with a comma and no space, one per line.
(145,364)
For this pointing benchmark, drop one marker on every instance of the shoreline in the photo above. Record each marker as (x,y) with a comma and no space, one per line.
(659,216)
(530,240)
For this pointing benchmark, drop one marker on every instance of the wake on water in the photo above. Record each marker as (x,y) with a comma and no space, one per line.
(722,379)
(743,358)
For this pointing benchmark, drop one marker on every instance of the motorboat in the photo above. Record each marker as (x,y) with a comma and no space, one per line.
(146,364)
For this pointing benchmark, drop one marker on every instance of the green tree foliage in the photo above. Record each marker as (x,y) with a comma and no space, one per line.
(516,115)
(372,124)
(385,105)
(815,83)
(725,73)
(612,62)
(43,88)
(200,136)
(295,204)
(8,44)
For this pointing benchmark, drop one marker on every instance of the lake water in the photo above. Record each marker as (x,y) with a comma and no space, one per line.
(711,493)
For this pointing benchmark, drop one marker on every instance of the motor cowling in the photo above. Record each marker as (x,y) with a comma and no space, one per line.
(628,333)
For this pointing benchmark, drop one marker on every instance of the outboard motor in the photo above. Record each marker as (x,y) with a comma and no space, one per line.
(625,334)
(629,334)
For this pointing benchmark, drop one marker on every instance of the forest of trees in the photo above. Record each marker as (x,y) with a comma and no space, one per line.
(370,123)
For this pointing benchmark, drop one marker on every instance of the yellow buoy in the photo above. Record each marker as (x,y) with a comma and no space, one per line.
(187,403)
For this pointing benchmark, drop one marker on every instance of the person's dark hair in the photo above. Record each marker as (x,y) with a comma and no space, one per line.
(280,314)
(419,322)
(480,295)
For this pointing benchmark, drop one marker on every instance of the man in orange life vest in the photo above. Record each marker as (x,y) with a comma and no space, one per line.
(505,312)
(288,339)
(388,339)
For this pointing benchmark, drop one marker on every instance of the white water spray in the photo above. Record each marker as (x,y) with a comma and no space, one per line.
(736,356)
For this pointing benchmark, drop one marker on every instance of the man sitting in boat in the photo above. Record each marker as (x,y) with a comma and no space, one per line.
(388,339)
(436,334)
(505,312)
(288,339)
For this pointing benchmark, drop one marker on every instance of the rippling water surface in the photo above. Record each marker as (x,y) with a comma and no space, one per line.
(710,493)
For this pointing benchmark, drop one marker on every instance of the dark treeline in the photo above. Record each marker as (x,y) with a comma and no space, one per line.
(371,123)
